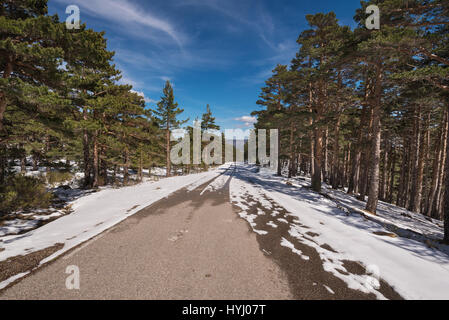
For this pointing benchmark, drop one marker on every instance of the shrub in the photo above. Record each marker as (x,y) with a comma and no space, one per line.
(54,177)
(23,193)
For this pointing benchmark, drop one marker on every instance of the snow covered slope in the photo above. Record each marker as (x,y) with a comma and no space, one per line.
(414,269)
(96,213)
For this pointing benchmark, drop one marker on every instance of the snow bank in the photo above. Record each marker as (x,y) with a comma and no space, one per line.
(96,213)
(410,266)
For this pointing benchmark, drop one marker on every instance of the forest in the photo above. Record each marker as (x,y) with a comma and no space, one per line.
(364,110)
(63,108)
(367,110)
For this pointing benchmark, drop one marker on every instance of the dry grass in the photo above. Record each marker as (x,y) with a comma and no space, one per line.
(385,234)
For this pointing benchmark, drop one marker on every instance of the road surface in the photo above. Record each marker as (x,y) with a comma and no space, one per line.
(191,245)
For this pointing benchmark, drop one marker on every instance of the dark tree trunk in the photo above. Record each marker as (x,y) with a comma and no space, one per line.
(104,167)
(446,184)
(279,162)
(363,177)
(407,175)
(292,153)
(392,175)
(86,153)
(316,178)
(414,198)
(335,162)
(95,162)
(354,176)
(3,161)
(325,155)
(400,198)
(437,161)
(3,102)
(126,168)
(312,139)
(140,167)
(423,149)
(373,195)
(167,137)
(23,161)
(35,161)
(383,180)
(437,212)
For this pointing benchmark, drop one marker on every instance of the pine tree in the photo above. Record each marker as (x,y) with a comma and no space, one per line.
(321,46)
(273,98)
(166,114)
(207,121)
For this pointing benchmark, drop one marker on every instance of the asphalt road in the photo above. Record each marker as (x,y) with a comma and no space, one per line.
(191,245)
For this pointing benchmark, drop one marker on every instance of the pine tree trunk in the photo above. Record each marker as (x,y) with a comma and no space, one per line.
(95,161)
(392,175)
(104,167)
(354,185)
(325,155)
(420,175)
(409,180)
(427,166)
(446,184)
(292,154)
(335,163)
(312,139)
(355,170)
(435,170)
(2,165)
(35,161)
(140,167)
(383,180)
(437,211)
(415,162)
(346,165)
(23,161)
(373,195)
(363,177)
(126,168)
(168,151)
(316,178)
(279,163)
(86,153)
(6,75)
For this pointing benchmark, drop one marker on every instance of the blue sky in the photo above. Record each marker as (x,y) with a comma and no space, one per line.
(216,52)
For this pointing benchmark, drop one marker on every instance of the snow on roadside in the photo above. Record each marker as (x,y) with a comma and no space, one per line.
(94,214)
(218,183)
(412,268)
(400,217)
(18,225)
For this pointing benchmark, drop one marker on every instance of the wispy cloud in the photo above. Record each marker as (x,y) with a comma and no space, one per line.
(253,16)
(249,14)
(257,78)
(170,62)
(128,15)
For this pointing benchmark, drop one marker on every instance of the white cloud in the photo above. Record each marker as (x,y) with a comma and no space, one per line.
(247,120)
(140,93)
